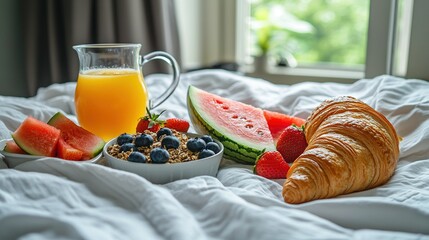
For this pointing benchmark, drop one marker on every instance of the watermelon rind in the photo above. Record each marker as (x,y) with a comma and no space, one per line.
(236,148)
(90,144)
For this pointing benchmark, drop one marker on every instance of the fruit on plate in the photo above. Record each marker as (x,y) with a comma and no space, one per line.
(36,137)
(277,122)
(242,129)
(271,165)
(77,137)
(60,137)
(12,147)
(291,143)
(65,151)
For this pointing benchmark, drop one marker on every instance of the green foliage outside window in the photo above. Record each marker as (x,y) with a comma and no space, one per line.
(313,31)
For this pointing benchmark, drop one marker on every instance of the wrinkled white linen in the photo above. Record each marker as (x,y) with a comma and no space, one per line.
(55,199)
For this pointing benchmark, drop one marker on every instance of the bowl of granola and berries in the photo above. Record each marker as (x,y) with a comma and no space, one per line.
(163,154)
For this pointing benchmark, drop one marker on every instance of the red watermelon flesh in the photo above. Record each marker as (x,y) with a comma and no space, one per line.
(77,137)
(36,137)
(12,147)
(277,122)
(235,119)
(65,151)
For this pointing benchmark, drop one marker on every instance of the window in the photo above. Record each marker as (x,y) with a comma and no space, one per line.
(389,37)
(311,33)
(369,53)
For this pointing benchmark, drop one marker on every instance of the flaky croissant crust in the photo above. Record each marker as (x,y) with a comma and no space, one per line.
(351,147)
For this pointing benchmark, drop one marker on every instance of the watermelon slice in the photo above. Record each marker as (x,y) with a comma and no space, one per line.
(77,137)
(36,137)
(65,151)
(12,147)
(241,128)
(277,122)
(244,130)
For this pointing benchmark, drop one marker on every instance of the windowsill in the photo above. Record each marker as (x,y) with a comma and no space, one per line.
(285,75)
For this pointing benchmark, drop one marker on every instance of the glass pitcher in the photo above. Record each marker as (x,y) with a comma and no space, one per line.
(111,95)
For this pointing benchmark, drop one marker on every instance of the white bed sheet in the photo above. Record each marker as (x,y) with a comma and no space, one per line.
(55,199)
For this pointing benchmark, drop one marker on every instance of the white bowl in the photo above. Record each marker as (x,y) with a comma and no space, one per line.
(14,159)
(167,172)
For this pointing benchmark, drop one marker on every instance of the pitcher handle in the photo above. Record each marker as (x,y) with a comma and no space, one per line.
(176,74)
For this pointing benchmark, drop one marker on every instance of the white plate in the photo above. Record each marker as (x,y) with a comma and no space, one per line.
(14,159)
(164,173)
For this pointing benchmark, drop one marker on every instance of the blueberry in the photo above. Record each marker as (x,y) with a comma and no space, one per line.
(213,146)
(195,144)
(163,131)
(159,155)
(124,138)
(144,140)
(127,147)
(170,142)
(205,153)
(137,157)
(207,138)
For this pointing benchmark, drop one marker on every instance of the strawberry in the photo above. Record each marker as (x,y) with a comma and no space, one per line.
(177,124)
(149,122)
(271,165)
(291,143)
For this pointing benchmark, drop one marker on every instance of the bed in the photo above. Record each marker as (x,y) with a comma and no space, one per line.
(57,199)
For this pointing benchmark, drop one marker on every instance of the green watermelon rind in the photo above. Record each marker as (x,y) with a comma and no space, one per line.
(96,149)
(239,149)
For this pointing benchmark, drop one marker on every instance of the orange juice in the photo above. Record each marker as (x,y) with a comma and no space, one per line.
(110,101)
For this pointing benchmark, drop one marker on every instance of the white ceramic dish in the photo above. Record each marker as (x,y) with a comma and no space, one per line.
(165,173)
(13,159)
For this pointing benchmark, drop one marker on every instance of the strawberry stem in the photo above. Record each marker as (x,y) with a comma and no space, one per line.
(152,118)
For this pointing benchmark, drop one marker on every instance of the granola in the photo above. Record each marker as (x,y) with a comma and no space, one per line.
(181,154)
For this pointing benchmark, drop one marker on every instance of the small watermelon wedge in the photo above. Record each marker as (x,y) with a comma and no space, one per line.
(241,128)
(12,147)
(67,152)
(77,137)
(277,122)
(36,137)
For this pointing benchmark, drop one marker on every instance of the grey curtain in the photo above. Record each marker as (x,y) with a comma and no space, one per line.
(52,27)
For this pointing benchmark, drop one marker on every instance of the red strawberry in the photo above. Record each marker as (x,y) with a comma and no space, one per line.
(271,165)
(291,143)
(149,122)
(177,124)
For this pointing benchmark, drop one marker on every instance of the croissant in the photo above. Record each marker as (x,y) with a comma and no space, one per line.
(351,147)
